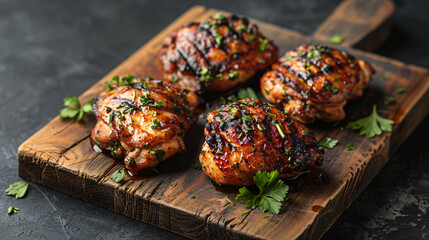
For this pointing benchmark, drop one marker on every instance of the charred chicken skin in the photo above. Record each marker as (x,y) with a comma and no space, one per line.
(216,55)
(315,81)
(142,120)
(247,136)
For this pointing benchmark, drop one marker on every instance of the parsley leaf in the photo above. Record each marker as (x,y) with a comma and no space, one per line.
(350,147)
(272,191)
(372,125)
(329,142)
(336,39)
(242,94)
(74,109)
(389,100)
(118,175)
(12,210)
(400,90)
(17,189)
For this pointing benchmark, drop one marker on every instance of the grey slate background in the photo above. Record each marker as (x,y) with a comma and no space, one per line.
(50,49)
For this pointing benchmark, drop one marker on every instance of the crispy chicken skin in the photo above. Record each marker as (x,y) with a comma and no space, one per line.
(315,81)
(247,136)
(216,55)
(142,120)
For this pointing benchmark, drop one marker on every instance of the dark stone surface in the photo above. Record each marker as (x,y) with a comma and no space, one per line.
(49,49)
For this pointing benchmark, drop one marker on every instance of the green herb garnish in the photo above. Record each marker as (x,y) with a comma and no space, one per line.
(233,75)
(12,210)
(372,125)
(329,142)
(118,175)
(156,124)
(205,75)
(350,147)
(159,153)
(74,109)
(272,191)
(336,39)
(400,90)
(198,167)
(280,129)
(389,100)
(263,44)
(17,189)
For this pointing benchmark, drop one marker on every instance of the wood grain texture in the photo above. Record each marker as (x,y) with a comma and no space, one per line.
(363,24)
(60,156)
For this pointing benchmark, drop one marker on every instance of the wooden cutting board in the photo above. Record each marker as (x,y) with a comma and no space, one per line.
(60,155)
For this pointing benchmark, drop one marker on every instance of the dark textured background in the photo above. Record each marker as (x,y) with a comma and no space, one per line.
(49,49)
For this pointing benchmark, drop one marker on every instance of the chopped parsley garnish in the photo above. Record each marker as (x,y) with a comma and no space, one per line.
(146,101)
(159,153)
(350,147)
(74,109)
(244,213)
(118,175)
(287,58)
(242,27)
(336,39)
(218,39)
(252,38)
(400,90)
(260,127)
(372,125)
(205,75)
(305,132)
(263,44)
(12,210)
(272,191)
(389,100)
(330,88)
(156,124)
(280,129)
(233,75)
(272,114)
(229,202)
(266,91)
(219,76)
(266,216)
(329,142)
(384,77)
(247,118)
(222,125)
(247,128)
(219,16)
(319,178)
(17,189)
(129,161)
(174,78)
(193,196)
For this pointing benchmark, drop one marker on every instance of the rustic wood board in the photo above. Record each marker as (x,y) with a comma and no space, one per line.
(60,156)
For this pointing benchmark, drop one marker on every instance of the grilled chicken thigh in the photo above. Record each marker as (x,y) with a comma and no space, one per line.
(143,121)
(216,54)
(315,81)
(247,136)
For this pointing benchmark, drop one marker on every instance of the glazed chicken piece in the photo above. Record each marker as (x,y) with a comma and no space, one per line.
(247,136)
(216,55)
(142,120)
(315,82)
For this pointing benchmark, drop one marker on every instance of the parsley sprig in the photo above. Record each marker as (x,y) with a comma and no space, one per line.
(329,142)
(17,189)
(74,109)
(272,191)
(372,125)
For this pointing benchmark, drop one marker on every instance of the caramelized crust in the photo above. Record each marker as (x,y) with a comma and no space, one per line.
(315,82)
(247,136)
(142,121)
(216,54)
